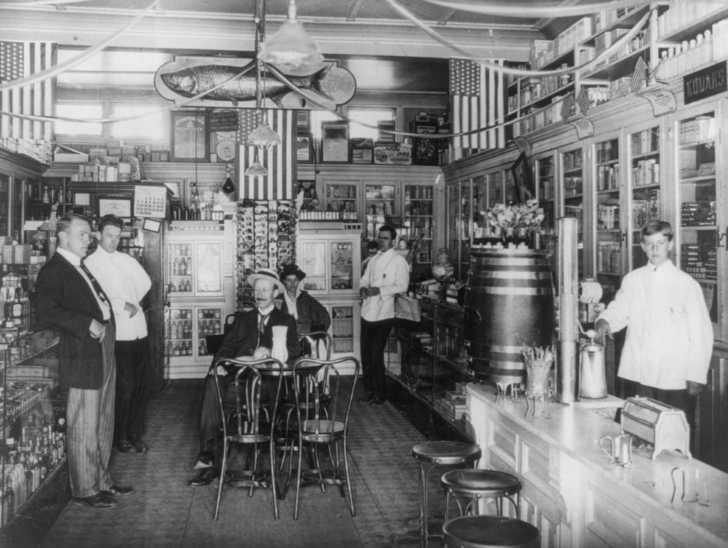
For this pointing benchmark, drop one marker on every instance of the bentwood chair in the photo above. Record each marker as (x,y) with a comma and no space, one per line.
(319,344)
(252,422)
(324,401)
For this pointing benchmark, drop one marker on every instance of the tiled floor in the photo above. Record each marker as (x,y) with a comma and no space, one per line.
(164,511)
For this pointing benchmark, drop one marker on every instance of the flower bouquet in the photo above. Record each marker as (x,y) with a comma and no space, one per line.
(514,223)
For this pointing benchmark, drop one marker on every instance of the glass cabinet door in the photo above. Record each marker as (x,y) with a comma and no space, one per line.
(496,191)
(546,195)
(342,329)
(572,184)
(208,275)
(209,322)
(179,269)
(417,219)
(342,198)
(179,332)
(480,205)
(313,262)
(645,183)
(4,205)
(698,234)
(379,204)
(342,265)
(609,267)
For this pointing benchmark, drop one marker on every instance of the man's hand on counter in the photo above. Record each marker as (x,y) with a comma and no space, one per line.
(694,388)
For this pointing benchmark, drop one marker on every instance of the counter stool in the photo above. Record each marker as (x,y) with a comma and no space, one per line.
(477,484)
(489,531)
(431,454)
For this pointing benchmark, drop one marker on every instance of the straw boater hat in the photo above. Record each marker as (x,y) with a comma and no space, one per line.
(266,274)
(292,269)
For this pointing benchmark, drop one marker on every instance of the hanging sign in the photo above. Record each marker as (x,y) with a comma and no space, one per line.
(705,83)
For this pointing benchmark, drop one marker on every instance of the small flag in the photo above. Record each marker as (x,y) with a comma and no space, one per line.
(639,75)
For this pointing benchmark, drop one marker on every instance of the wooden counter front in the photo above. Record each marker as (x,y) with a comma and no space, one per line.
(577,498)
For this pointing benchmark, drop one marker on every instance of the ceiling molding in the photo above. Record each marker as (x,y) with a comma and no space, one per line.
(236,34)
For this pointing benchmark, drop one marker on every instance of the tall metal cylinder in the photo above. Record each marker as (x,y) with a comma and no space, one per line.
(512,294)
(567,268)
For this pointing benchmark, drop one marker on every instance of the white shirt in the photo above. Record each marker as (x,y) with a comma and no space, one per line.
(669,333)
(125,281)
(75,260)
(390,273)
(291,302)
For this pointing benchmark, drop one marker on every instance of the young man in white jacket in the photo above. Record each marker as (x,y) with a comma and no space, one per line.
(669,333)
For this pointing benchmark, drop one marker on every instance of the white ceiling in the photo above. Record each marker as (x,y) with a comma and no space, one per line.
(350,27)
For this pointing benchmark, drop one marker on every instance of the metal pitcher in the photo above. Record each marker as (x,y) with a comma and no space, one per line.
(592,373)
(619,450)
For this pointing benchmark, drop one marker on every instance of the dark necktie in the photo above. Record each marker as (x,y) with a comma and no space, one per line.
(97,287)
(262,320)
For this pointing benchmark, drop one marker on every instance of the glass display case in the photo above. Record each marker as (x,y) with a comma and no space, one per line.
(645,183)
(195,269)
(417,211)
(572,195)
(609,237)
(380,207)
(186,329)
(32,449)
(697,237)
(342,197)
(344,319)
(496,189)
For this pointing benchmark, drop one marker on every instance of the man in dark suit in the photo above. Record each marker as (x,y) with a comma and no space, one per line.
(70,300)
(250,336)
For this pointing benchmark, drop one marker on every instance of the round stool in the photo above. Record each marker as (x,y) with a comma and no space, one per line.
(431,454)
(489,531)
(477,484)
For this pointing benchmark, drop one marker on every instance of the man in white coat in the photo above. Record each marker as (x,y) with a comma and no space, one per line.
(669,338)
(126,283)
(386,275)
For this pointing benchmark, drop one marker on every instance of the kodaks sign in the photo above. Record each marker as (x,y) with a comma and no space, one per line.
(704,83)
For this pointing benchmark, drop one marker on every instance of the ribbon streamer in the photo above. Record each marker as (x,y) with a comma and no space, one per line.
(32,3)
(62,67)
(527,11)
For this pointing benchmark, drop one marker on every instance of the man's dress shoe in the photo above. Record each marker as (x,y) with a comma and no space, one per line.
(99,500)
(118,490)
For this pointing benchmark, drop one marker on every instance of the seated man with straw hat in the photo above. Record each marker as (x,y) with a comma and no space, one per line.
(251,337)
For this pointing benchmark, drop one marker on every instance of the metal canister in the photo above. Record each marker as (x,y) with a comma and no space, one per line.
(592,374)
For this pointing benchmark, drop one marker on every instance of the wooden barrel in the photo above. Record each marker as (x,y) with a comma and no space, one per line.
(512,295)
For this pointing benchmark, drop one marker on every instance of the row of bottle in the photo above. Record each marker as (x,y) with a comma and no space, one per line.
(49,194)
(14,302)
(182,264)
(179,348)
(27,462)
(179,329)
(204,212)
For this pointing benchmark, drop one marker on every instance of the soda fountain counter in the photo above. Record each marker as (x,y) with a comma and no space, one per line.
(574,493)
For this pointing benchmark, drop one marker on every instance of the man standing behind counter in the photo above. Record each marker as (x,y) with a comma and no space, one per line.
(386,275)
(126,283)
(669,334)
(70,300)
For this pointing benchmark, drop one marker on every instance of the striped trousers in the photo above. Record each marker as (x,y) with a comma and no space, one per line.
(90,428)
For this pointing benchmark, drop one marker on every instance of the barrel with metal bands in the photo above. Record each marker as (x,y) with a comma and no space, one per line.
(513,295)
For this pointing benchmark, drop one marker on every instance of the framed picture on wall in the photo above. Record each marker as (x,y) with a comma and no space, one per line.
(121,207)
(189,136)
(334,141)
(304,148)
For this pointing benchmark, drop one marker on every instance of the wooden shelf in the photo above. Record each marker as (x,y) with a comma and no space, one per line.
(646,187)
(689,31)
(622,67)
(625,22)
(699,179)
(650,154)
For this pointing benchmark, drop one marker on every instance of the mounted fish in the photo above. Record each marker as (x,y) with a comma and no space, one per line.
(232,82)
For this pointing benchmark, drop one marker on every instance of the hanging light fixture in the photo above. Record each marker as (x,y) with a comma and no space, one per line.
(291,50)
(263,136)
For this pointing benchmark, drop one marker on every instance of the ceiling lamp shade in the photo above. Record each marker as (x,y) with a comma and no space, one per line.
(291,50)
(256,169)
(263,136)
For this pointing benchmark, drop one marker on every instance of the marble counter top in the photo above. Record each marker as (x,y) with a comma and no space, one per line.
(576,431)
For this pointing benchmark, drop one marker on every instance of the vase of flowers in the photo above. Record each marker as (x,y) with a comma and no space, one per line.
(515,224)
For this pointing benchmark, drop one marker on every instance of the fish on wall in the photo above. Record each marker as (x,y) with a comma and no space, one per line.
(186,77)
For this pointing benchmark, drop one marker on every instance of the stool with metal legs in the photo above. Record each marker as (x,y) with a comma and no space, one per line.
(480,484)
(432,454)
(489,532)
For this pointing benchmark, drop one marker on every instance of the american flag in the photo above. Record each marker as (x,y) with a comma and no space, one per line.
(280,161)
(19,60)
(477,100)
